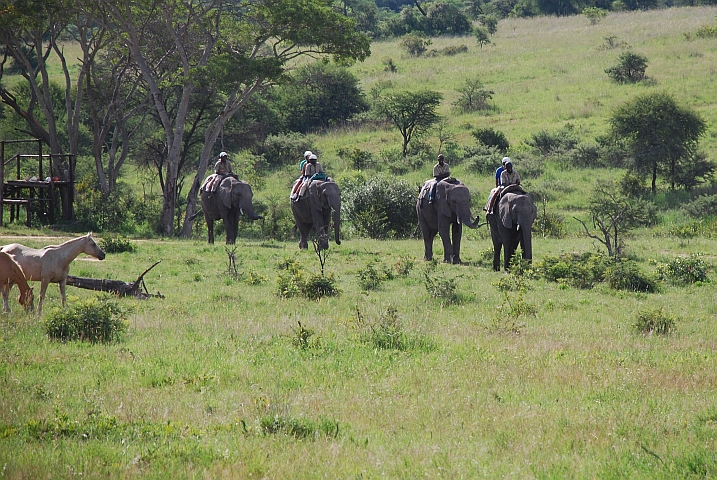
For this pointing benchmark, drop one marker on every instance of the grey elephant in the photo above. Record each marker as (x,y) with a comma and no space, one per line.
(511,223)
(232,198)
(447,214)
(313,212)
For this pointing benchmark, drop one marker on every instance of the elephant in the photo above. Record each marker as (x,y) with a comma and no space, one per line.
(450,208)
(232,198)
(511,222)
(313,211)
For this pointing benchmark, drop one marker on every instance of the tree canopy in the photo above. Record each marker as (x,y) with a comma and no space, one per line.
(410,112)
(662,135)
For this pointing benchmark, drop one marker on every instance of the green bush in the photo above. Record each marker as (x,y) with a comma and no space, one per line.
(626,275)
(630,68)
(97,319)
(387,333)
(684,270)
(117,244)
(482,159)
(702,206)
(549,224)
(442,288)
(282,149)
(117,211)
(553,143)
(579,270)
(655,321)
(294,282)
(491,138)
(707,31)
(380,207)
(371,278)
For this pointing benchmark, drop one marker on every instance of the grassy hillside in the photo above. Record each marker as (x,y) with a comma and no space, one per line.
(217,380)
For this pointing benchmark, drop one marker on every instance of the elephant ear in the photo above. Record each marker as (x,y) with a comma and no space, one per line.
(504,212)
(225,193)
(442,200)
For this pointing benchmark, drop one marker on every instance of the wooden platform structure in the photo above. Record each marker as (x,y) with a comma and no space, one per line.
(40,190)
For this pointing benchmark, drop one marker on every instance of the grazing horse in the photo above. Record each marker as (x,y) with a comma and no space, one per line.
(52,263)
(11,274)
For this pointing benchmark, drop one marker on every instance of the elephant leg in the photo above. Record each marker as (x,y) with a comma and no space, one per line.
(210,231)
(510,246)
(457,231)
(444,232)
(428,237)
(230,225)
(304,233)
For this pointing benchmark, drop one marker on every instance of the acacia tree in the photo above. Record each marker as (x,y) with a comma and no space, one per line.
(410,112)
(613,214)
(662,135)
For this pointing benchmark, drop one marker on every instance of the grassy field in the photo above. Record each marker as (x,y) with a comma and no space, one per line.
(218,380)
(212,381)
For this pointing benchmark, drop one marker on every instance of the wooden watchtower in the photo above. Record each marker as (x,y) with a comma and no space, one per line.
(29,184)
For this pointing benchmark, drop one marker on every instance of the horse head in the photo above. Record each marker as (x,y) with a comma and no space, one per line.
(91,248)
(27,300)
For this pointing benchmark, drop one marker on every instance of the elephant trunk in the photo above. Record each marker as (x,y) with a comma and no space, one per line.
(248,209)
(337,225)
(527,237)
(464,217)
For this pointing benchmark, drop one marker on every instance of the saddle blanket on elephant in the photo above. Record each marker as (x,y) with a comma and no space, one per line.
(211,183)
(428,185)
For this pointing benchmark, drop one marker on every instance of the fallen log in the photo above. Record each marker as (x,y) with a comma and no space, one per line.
(123,289)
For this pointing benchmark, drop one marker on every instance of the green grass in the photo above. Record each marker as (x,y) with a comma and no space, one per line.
(210,382)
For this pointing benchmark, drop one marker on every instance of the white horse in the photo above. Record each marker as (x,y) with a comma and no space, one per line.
(52,263)
(11,274)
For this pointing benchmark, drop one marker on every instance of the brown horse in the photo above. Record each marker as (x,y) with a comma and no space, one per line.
(11,274)
(52,263)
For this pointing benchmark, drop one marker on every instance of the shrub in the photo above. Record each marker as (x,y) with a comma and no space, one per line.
(579,270)
(630,68)
(547,143)
(404,265)
(442,288)
(549,224)
(94,320)
(294,282)
(625,275)
(380,207)
(387,333)
(473,97)
(414,44)
(117,244)
(281,149)
(707,31)
(482,159)
(655,321)
(702,206)
(491,138)
(302,337)
(299,428)
(357,158)
(371,278)
(117,211)
(684,270)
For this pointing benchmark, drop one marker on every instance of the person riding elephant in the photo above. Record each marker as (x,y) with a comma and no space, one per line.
(231,199)
(511,223)
(313,212)
(446,216)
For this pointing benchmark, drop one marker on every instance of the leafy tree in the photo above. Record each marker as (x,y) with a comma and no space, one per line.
(630,68)
(224,49)
(410,112)
(446,19)
(594,14)
(319,95)
(662,136)
(482,35)
(473,96)
(490,22)
(558,7)
(613,215)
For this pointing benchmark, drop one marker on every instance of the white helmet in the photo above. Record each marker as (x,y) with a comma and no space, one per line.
(307,153)
(223,154)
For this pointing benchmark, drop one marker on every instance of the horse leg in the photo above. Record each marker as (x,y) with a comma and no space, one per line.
(63,283)
(5,293)
(43,289)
